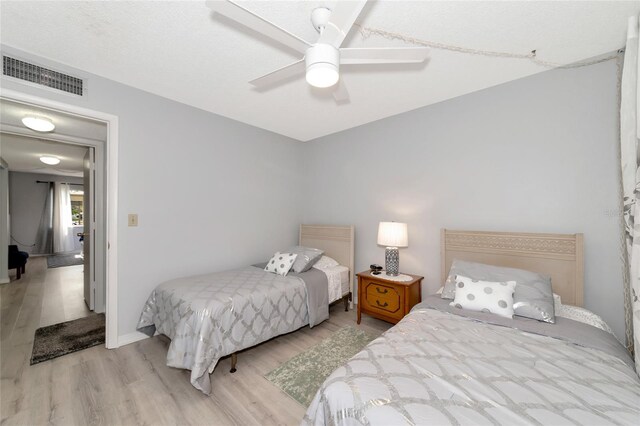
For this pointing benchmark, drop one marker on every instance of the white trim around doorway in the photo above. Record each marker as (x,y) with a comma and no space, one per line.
(111,163)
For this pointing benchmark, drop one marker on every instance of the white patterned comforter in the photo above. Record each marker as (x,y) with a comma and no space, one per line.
(211,316)
(437,368)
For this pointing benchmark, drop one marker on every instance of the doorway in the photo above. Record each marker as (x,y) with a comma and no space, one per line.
(51,190)
(101,167)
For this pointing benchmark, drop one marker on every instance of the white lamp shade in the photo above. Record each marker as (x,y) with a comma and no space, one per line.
(393,234)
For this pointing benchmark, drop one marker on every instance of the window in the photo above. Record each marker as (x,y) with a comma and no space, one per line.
(77,207)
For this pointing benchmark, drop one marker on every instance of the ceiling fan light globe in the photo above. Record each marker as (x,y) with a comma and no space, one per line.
(322,75)
(322,62)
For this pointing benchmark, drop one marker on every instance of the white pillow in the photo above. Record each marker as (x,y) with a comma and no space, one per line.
(585,316)
(325,262)
(281,263)
(579,314)
(484,296)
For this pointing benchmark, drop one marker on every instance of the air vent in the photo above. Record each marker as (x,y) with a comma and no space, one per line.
(39,75)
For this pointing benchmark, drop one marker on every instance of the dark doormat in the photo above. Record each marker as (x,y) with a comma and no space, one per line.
(60,260)
(67,337)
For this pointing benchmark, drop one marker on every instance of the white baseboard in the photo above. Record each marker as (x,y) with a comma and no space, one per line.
(127,339)
(5,280)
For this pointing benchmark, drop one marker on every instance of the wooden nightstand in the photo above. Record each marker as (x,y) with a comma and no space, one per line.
(385,299)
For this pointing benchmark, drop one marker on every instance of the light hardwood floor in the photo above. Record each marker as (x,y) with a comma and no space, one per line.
(132,385)
(63,295)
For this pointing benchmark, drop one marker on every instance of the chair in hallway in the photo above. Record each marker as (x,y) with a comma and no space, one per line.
(17,260)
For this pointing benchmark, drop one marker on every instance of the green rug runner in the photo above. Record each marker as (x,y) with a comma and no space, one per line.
(302,375)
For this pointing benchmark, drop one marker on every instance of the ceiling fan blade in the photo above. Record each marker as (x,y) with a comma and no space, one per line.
(279,74)
(250,20)
(340,94)
(342,17)
(384,55)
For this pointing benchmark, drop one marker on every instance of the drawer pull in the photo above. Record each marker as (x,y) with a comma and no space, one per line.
(386,290)
(382,305)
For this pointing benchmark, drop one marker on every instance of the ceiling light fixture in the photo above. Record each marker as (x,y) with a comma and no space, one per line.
(52,161)
(322,62)
(39,124)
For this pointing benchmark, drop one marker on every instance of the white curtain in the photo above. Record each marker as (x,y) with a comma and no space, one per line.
(62,219)
(629,137)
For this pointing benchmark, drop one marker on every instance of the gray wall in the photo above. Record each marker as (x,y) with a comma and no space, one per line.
(537,154)
(211,193)
(26,201)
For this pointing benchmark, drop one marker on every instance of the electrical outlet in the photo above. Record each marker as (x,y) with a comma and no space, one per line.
(133,219)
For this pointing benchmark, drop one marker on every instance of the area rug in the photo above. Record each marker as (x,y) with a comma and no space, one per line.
(60,260)
(302,375)
(67,337)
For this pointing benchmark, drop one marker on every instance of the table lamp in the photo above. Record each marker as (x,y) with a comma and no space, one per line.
(392,235)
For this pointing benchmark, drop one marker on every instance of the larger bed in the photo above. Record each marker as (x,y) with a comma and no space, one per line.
(211,316)
(442,365)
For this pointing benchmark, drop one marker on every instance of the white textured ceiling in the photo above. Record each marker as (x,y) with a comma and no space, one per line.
(181,51)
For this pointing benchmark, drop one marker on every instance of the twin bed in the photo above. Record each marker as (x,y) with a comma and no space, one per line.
(211,316)
(443,365)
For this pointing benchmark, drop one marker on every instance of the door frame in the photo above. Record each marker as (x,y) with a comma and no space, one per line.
(4,222)
(109,246)
(89,231)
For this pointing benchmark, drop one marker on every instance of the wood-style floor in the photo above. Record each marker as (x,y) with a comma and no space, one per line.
(132,385)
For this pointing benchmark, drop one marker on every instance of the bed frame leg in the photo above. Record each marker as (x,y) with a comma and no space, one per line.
(234,361)
(346,300)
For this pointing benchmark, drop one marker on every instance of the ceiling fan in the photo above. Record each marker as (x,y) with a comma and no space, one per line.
(322,59)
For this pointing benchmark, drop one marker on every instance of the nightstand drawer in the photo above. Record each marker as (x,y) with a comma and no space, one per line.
(387,305)
(382,298)
(377,289)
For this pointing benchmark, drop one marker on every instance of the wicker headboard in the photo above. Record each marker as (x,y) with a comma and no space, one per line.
(558,255)
(337,242)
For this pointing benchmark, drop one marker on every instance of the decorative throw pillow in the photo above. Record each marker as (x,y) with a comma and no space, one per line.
(325,262)
(533,298)
(307,257)
(485,296)
(281,263)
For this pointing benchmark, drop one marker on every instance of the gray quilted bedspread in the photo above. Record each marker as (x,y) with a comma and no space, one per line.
(438,368)
(211,316)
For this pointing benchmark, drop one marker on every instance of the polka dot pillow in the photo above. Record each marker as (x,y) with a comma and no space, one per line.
(484,296)
(281,263)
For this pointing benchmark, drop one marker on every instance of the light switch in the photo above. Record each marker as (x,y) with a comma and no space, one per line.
(133,219)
